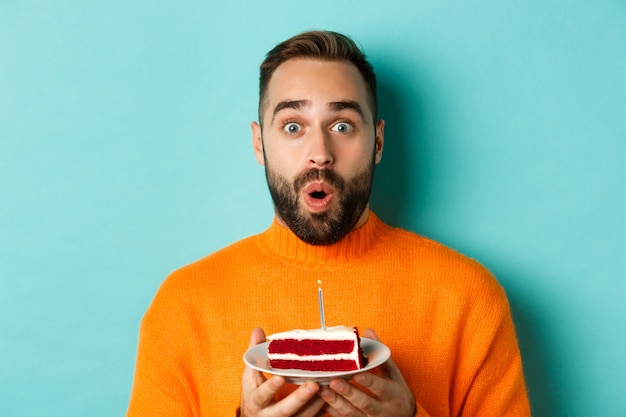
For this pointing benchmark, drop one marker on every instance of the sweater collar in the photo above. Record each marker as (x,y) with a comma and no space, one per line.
(281,242)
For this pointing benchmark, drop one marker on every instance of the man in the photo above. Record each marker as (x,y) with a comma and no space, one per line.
(444,317)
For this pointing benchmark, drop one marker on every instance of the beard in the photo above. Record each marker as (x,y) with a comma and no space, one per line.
(334,223)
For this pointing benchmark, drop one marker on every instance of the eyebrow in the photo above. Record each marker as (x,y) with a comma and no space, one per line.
(335,106)
(347,104)
(289,104)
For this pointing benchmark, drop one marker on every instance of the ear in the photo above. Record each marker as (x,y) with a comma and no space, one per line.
(257,143)
(380,139)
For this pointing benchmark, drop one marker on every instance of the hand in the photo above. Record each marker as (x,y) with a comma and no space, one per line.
(390,395)
(258,393)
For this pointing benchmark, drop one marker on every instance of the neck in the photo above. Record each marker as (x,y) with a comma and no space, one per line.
(281,241)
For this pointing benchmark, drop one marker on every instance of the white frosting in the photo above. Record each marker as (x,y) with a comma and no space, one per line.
(352,356)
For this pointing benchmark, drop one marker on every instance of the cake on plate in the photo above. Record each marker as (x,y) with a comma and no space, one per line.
(334,349)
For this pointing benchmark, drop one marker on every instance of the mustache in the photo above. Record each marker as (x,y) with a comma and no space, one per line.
(316,174)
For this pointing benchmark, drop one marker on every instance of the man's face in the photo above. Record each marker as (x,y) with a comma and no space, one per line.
(319,144)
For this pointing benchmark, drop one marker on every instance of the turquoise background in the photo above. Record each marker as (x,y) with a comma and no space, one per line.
(125,152)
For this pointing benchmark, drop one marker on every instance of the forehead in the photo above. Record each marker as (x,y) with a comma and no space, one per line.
(318,81)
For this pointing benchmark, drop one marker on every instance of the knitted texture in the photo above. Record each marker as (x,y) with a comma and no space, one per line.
(444,317)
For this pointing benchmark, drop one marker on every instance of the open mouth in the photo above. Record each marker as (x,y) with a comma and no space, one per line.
(318,195)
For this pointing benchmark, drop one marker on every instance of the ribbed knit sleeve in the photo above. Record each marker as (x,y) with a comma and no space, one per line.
(162,384)
(497,386)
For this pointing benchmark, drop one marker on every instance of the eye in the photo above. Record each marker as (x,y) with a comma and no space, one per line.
(342,127)
(292,128)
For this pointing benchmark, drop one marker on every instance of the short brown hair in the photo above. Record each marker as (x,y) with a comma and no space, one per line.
(326,45)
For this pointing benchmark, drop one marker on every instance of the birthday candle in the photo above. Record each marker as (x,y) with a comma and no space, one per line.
(320,298)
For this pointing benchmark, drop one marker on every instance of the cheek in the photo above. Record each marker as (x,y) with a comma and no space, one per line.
(356,160)
(281,162)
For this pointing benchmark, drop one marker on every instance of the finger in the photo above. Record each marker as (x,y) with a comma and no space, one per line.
(323,410)
(265,393)
(371,334)
(314,407)
(391,389)
(258,336)
(391,393)
(251,377)
(350,399)
(297,401)
(390,369)
(334,401)
(380,388)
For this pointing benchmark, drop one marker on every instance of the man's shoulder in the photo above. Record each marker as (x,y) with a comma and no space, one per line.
(232,253)
(432,255)
(195,281)
(414,242)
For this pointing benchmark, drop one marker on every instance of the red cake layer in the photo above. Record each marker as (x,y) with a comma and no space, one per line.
(332,365)
(311,347)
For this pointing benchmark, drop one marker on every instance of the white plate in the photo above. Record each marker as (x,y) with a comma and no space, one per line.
(375,352)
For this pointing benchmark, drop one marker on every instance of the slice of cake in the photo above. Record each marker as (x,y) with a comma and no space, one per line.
(335,349)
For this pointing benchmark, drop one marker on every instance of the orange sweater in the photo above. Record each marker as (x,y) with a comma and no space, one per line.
(444,317)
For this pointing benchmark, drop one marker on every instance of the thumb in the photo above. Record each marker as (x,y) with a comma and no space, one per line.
(370,334)
(251,376)
(390,369)
(258,336)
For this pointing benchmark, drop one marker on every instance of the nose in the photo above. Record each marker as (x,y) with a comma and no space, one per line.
(320,151)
